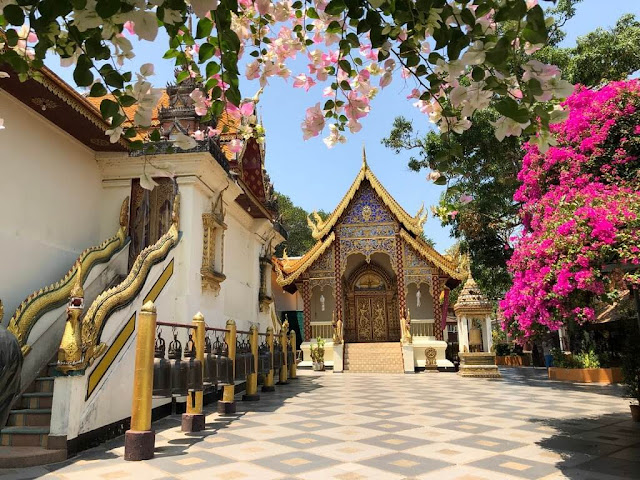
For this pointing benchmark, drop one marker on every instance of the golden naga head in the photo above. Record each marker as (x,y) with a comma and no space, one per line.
(124,213)
(76,297)
(175,214)
(421,217)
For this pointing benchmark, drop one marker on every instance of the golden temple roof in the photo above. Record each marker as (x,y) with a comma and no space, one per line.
(289,270)
(413,224)
(471,300)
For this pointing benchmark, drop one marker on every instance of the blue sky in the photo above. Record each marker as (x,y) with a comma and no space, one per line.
(316,177)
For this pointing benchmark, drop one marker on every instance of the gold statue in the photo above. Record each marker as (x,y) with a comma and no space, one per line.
(405,327)
(337,330)
(70,354)
(421,218)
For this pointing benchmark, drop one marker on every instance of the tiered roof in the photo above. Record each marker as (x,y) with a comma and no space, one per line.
(323,231)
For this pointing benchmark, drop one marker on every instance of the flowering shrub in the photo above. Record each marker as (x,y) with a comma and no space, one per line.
(468,52)
(581,212)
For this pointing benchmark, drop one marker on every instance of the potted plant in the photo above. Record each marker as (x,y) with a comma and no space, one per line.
(631,374)
(317,355)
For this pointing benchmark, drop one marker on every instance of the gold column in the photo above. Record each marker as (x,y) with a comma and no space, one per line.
(227,404)
(268,378)
(251,394)
(293,368)
(193,420)
(284,370)
(140,439)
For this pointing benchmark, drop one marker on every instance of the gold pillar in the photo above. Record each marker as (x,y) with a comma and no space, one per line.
(227,404)
(293,368)
(195,408)
(268,378)
(251,394)
(284,370)
(140,439)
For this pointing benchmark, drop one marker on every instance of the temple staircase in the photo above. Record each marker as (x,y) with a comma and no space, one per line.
(373,358)
(24,441)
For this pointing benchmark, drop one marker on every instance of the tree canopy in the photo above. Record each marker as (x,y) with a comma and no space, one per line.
(294,220)
(462,55)
(482,176)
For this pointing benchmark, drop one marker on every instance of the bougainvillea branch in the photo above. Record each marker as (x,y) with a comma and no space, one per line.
(461,55)
(581,213)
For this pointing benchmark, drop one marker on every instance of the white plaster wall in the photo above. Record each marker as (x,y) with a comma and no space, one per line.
(111,400)
(425,310)
(317,315)
(50,199)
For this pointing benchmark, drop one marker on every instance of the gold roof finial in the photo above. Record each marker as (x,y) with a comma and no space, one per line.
(364,157)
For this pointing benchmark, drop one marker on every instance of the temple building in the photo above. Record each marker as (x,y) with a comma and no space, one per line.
(98,229)
(372,274)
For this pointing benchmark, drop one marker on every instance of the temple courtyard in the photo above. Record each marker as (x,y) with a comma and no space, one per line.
(375,426)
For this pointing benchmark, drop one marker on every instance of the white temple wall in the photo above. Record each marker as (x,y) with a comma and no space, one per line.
(50,203)
(425,310)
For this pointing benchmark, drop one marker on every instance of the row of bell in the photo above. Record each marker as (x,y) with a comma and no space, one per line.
(218,367)
(245,364)
(176,376)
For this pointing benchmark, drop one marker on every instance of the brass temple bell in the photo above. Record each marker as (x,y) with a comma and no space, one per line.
(194,366)
(224,365)
(178,368)
(265,359)
(161,370)
(241,362)
(210,378)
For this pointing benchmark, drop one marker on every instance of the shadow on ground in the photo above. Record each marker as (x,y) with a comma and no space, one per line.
(269,402)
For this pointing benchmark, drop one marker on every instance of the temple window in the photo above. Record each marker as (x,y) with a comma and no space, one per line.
(213,247)
(150,214)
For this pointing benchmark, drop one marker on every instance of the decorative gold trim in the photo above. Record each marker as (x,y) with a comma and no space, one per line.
(121,295)
(431,255)
(321,228)
(213,246)
(154,293)
(303,263)
(111,354)
(57,294)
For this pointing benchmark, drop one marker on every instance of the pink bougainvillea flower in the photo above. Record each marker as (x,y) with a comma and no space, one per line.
(303,81)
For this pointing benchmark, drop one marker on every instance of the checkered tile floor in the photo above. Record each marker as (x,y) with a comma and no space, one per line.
(359,426)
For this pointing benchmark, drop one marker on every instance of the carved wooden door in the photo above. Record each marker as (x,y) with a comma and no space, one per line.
(371,318)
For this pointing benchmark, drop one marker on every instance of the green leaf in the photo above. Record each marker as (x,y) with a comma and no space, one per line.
(441,180)
(155,135)
(335,7)
(345,66)
(477,74)
(127,100)
(212,69)
(97,90)
(13,14)
(206,52)
(82,74)
(107,8)
(345,85)
(535,30)
(182,76)
(108,108)
(204,28)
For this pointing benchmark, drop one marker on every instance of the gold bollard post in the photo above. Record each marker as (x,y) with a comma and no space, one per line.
(252,378)
(227,405)
(193,420)
(293,368)
(285,368)
(268,378)
(139,440)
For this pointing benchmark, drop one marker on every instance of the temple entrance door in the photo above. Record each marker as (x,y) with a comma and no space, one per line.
(371,317)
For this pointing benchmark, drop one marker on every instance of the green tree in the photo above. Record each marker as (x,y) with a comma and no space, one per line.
(294,220)
(481,171)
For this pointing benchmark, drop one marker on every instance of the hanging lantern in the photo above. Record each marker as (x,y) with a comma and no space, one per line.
(178,367)
(194,366)
(265,359)
(161,370)
(210,378)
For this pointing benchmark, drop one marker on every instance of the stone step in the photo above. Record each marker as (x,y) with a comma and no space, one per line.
(30,417)
(36,400)
(22,457)
(41,384)
(373,358)
(24,436)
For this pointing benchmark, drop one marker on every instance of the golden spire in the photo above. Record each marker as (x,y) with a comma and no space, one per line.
(364,158)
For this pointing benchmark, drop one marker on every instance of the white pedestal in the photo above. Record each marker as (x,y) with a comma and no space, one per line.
(306,354)
(408,358)
(420,344)
(338,358)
